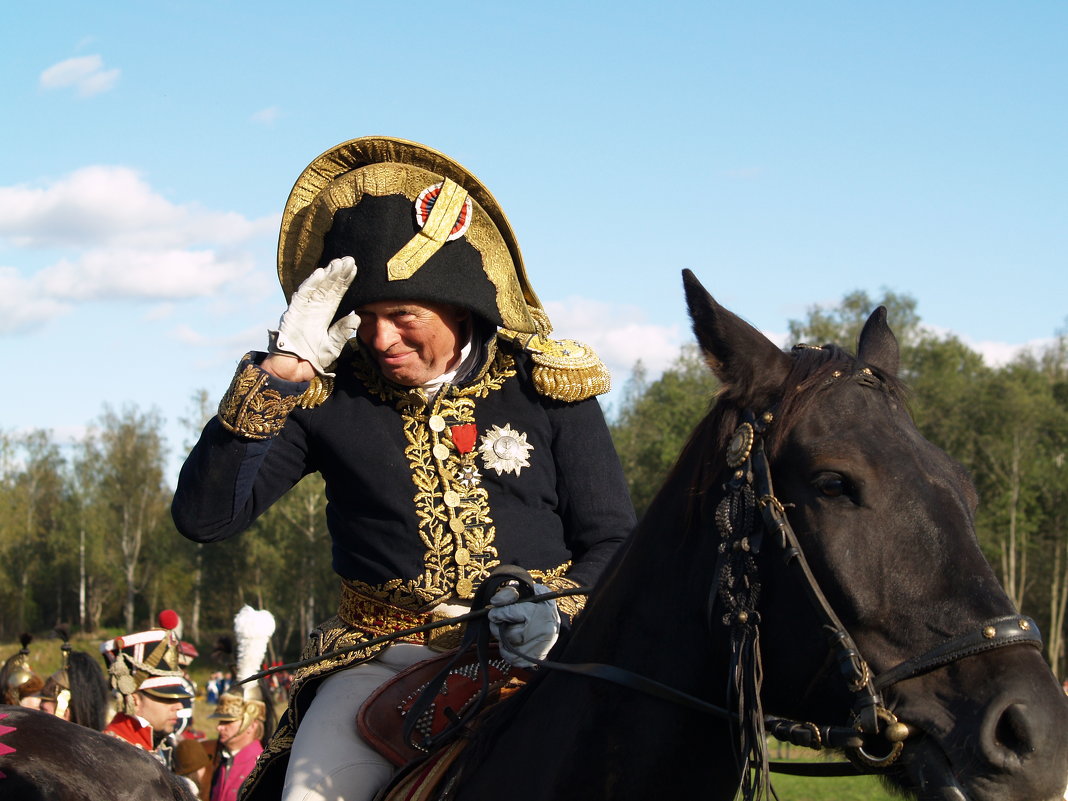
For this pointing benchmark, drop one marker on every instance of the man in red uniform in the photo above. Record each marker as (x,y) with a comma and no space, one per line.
(144,669)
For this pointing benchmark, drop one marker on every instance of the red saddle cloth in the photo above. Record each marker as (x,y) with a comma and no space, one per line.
(381,719)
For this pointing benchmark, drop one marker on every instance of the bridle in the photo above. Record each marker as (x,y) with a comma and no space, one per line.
(747,514)
(872,720)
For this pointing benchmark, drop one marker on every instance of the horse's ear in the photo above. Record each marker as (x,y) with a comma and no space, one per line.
(877,345)
(739,355)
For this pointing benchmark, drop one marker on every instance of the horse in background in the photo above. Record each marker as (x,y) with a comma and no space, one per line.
(46,758)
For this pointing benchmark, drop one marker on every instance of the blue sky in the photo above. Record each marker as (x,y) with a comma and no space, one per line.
(788,153)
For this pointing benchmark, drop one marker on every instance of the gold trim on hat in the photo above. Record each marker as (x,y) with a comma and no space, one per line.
(340,176)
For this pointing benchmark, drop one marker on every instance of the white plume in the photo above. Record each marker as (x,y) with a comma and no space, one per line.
(252,631)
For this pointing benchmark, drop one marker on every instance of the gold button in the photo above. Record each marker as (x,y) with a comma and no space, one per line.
(463,556)
(441,451)
(990,632)
(464,588)
(456,525)
(451,498)
(437,422)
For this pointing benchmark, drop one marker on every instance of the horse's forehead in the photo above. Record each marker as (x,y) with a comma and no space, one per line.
(848,407)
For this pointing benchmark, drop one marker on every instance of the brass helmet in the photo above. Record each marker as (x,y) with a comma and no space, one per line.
(236,707)
(57,686)
(20,680)
(252,631)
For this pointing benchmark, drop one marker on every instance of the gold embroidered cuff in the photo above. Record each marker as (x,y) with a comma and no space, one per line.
(569,605)
(251,409)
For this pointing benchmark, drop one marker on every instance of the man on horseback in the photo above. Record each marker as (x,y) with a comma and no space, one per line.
(453,434)
(146,670)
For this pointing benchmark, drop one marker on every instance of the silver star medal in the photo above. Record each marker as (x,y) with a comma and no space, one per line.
(505,450)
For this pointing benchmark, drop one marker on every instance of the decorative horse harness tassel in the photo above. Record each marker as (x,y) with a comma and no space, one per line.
(737,591)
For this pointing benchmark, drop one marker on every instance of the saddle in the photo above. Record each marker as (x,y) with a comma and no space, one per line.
(384,718)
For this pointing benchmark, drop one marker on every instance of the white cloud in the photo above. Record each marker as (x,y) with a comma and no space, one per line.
(117,238)
(995,354)
(267,116)
(998,354)
(100,206)
(22,307)
(141,274)
(85,73)
(621,335)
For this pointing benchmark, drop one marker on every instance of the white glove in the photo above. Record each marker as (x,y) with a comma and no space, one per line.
(305,330)
(527,628)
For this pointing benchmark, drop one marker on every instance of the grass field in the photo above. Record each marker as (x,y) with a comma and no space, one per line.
(837,788)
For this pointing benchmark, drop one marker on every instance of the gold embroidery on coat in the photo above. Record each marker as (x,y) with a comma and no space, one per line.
(453,514)
(252,410)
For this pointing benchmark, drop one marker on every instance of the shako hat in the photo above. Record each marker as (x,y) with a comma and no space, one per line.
(150,661)
(419,226)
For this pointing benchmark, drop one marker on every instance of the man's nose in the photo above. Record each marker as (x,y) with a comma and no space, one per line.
(384,335)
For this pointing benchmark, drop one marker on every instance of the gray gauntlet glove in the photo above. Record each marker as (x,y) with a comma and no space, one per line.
(524,628)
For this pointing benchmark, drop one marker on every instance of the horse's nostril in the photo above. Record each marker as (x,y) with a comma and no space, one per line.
(1013,731)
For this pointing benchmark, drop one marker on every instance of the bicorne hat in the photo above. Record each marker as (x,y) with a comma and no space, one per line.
(419,226)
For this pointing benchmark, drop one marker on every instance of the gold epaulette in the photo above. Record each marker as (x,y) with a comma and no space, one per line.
(564,369)
(251,409)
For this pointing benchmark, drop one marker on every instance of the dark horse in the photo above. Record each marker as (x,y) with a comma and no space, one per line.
(850,594)
(885,547)
(46,758)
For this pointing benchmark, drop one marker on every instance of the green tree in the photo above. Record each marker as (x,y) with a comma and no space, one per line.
(32,500)
(656,418)
(841,324)
(121,469)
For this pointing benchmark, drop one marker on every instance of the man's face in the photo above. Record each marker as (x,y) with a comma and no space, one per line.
(229,736)
(49,706)
(161,715)
(413,343)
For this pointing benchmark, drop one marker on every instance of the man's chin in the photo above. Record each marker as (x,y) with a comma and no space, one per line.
(401,376)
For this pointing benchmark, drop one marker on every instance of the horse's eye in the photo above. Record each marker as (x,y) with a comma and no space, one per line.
(832,485)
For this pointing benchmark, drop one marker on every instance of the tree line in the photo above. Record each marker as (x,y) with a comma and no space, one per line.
(86,536)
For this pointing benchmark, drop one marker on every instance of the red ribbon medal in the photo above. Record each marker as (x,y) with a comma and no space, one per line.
(464,436)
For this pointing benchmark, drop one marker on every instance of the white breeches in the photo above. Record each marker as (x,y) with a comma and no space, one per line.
(329,760)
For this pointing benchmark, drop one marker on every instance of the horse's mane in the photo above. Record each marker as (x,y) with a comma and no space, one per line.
(89,691)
